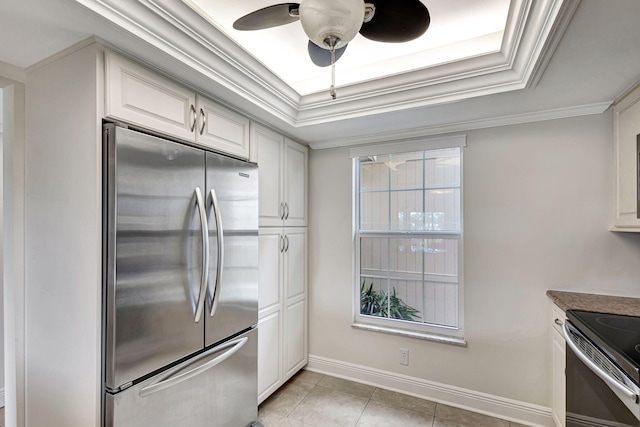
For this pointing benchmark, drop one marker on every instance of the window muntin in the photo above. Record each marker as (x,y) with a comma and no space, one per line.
(408,240)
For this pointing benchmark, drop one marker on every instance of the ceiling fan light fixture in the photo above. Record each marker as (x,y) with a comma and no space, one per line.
(338,20)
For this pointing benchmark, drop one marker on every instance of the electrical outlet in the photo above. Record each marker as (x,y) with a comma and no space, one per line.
(404,356)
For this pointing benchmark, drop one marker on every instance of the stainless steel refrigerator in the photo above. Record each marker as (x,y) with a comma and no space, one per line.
(180,284)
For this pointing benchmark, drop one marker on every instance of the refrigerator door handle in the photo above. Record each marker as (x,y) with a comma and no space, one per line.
(205,255)
(216,290)
(175,377)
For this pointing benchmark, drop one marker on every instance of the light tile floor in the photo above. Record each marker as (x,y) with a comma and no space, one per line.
(312,399)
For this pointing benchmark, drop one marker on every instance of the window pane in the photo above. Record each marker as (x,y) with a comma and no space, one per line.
(406,210)
(407,171)
(374,257)
(406,300)
(441,303)
(442,209)
(374,297)
(374,211)
(442,168)
(441,258)
(374,173)
(405,259)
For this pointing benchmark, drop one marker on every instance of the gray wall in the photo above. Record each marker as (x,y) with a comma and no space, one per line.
(537,207)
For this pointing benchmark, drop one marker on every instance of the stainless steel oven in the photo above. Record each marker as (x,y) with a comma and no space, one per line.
(602,370)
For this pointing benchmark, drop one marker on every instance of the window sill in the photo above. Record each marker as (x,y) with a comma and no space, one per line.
(412,334)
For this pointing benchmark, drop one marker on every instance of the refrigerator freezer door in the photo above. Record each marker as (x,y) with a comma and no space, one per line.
(214,389)
(232,203)
(154,266)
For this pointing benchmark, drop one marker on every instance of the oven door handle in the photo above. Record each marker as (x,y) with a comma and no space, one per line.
(567,330)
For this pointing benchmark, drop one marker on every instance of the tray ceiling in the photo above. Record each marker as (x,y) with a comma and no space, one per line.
(459,29)
(475,52)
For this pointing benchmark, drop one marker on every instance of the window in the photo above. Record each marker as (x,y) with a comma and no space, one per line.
(408,240)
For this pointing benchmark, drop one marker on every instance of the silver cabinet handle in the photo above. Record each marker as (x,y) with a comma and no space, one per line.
(193,115)
(205,254)
(558,322)
(281,243)
(204,121)
(281,211)
(570,334)
(216,290)
(172,380)
(286,205)
(286,249)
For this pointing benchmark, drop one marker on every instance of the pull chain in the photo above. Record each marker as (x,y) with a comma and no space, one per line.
(332,90)
(331,42)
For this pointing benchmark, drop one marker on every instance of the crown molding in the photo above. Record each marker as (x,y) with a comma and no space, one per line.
(465,126)
(231,74)
(533,31)
(11,72)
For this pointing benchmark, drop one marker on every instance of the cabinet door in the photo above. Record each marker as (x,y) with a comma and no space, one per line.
(269,355)
(626,121)
(222,129)
(295,183)
(295,301)
(270,246)
(138,96)
(295,252)
(269,145)
(558,395)
(295,336)
(558,404)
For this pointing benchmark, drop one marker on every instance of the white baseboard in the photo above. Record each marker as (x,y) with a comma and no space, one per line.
(495,406)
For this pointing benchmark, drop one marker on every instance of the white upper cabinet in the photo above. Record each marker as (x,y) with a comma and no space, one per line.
(222,129)
(626,120)
(143,98)
(296,159)
(283,178)
(270,146)
(136,95)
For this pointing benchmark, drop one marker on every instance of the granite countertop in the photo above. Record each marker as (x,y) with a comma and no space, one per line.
(597,303)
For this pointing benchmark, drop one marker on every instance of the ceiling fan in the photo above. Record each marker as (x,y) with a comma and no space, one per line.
(332,24)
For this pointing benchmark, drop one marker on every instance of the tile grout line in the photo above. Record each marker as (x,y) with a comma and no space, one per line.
(365,407)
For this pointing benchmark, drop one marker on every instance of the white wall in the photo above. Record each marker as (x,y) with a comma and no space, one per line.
(13,247)
(63,242)
(537,206)
(2,249)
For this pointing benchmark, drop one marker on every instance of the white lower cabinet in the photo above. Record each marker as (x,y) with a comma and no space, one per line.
(269,351)
(282,304)
(558,391)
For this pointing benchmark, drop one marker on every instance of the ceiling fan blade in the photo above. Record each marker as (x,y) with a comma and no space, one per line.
(396,21)
(322,57)
(271,16)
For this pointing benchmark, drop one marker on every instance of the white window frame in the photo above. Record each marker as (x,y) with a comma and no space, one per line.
(446,334)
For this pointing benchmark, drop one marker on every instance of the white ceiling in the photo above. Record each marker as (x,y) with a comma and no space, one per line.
(459,29)
(558,58)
